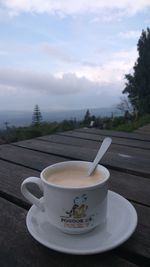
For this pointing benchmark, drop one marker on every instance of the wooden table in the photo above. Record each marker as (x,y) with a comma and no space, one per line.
(128,160)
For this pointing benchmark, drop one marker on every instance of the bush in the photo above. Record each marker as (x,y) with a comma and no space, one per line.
(14,134)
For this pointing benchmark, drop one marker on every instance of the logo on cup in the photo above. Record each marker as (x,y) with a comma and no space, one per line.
(76,217)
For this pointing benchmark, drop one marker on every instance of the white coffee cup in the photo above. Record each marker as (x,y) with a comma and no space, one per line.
(73,210)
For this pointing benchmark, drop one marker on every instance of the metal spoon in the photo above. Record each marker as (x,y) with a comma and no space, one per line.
(102,150)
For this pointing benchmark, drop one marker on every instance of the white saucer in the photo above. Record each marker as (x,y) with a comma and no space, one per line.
(121,223)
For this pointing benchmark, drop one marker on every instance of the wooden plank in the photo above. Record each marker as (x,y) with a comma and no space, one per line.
(70,140)
(144,129)
(18,248)
(132,187)
(120,134)
(140,242)
(128,163)
(77,142)
(143,132)
(11,177)
(96,137)
(147,126)
(32,159)
(135,161)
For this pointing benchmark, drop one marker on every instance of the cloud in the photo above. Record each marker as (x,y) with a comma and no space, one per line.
(126,55)
(62,53)
(68,83)
(130,34)
(68,90)
(123,60)
(79,77)
(109,15)
(22,89)
(6,90)
(58,52)
(107,74)
(113,70)
(73,7)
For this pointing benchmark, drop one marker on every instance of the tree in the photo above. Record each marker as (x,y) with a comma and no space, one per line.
(6,125)
(125,105)
(87,117)
(138,84)
(37,117)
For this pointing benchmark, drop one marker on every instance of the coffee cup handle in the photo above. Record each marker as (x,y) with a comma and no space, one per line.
(34,200)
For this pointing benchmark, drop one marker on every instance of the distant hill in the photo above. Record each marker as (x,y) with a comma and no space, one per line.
(24,118)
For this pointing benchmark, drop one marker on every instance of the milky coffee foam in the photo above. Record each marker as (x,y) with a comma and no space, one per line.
(74,177)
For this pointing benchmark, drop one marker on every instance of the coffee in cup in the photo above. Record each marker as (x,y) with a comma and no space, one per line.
(71,176)
(72,202)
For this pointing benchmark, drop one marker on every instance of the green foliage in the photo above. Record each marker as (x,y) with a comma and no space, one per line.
(37,117)
(67,125)
(138,84)
(133,124)
(14,134)
(87,117)
(125,105)
(122,123)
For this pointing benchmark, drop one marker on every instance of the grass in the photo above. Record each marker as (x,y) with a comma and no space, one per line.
(133,124)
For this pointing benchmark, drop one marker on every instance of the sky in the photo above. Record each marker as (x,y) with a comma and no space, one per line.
(67,54)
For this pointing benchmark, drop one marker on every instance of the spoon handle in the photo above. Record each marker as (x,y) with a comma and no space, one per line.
(102,150)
